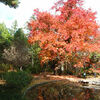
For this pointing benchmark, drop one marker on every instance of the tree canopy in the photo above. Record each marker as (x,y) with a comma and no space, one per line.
(72,32)
(11,3)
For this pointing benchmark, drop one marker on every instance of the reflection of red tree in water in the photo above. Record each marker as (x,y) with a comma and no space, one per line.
(63,90)
(88,94)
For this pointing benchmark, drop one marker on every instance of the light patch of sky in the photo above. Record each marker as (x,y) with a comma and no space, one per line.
(25,10)
(95,7)
(23,13)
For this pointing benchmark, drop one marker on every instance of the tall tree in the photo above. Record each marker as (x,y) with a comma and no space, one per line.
(34,51)
(11,3)
(73,31)
(5,38)
(14,27)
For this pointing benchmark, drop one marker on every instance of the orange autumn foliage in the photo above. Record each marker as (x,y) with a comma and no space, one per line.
(72,30)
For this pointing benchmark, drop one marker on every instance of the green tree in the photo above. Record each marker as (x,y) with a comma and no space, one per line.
(5,38)
(14,27)
(35,60)
(11,3)
(20,38)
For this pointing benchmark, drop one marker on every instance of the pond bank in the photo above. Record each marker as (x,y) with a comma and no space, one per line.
(75,79)
(90,82)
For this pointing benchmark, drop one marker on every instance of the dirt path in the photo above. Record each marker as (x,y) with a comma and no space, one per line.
(91,80)
(2,82)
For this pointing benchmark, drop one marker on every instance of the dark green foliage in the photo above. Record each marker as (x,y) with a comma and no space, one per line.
(11,3)
(94,57)
(17,79)
(15,82)
(36,69)
(35,66)
(20,38)
(8,93)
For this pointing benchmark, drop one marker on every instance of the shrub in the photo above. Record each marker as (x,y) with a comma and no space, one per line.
(17,79)
(34,70)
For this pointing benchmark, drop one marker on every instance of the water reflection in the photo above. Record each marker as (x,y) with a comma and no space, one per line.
(62,91)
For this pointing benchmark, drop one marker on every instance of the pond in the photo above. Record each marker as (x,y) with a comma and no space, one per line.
(53,90)
(62,90)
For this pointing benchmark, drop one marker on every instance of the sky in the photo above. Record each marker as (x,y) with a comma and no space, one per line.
(25,10)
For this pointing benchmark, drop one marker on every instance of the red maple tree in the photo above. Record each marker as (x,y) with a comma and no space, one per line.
(71,31)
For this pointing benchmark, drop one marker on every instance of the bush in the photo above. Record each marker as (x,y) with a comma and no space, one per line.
(17,79)
(36,69)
